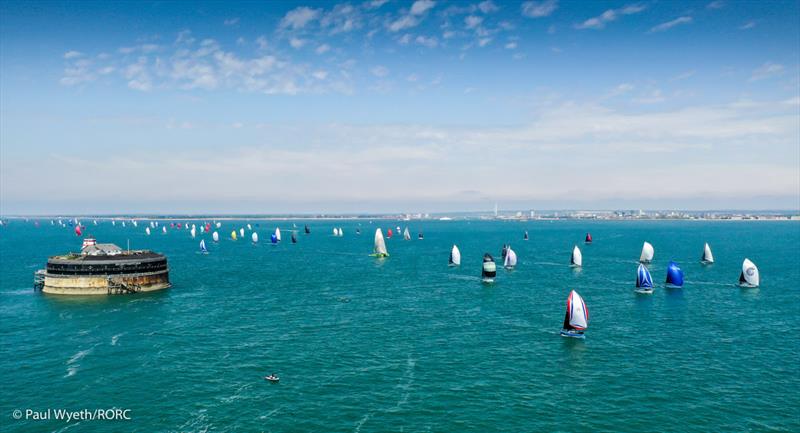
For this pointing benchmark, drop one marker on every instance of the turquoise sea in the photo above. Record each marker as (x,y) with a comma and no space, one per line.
(408,343)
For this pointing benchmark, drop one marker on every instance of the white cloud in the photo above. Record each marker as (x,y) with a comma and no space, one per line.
(412,78)
(72,54)
(748,25)
(670,24)
(421,6)
(299,17)
(482,42)
(599,22)
(472,21)
(511,45)
(767,70)
(375,4)
(296,43)
(487,7)
(320,75)
(322,49)
(231,21)
(380,71)
(262,43)
(430,42)
(538,9)
(716,4)
(404,22)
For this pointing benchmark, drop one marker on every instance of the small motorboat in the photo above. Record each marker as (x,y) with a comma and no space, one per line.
(272,378)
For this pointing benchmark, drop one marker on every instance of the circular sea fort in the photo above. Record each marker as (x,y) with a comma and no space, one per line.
(103,269)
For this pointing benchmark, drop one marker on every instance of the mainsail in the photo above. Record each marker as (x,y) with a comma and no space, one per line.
(278,234)
(707,258)
(406,234)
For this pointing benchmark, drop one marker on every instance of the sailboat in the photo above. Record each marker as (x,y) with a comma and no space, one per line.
(273,239)
(123,224)
(647,253)
(215,236)
(135,224)
(307,230)
(389,233)
(113,223)
(78,231)
(707,258)
(233,235)
(241,232)
(489,270)
(379,249)
(294,237)
(254,237)
(335,231)
(147,230)
(511,258)
(576,319)
(577,258)
(644,282)
(525,236)
(504,251)
(588,238)
(164,229)
(203,249)
(219,224)
(674,276)
(249,227)
(193,232)
(278,234)
(455,256)
(341,232)
(420,236)
(406,234)
(749,276)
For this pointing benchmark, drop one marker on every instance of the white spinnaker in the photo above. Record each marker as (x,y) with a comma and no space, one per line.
(511,258)
(577,257)
(455,256)
(578,314)
(707,256)
(147,230)
(193,232)
(254,237)
(750,273)
(647,253)
(380,244)
(215,236)
(241,232)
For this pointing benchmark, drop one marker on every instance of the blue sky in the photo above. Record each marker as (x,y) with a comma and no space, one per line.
(398,106)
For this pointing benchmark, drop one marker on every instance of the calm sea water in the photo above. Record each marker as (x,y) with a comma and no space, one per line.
(407,343)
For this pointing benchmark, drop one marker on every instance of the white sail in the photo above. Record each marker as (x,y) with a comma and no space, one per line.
(749,276)
(647,253)
(193,232)
(241,232)
(335,231)
(215,236)
(164,229)
(249,227)
(511,258)
(278,233)
(406,234)
(219,224)
(113,223)
(341,232)
(578,315)
(203,246)
(135,224)
(254,237)
(147,230)
(123,224)
(455,256)
(380,245)
(577,257)
(707,256)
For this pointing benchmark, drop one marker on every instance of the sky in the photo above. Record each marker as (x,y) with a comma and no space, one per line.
(398,106)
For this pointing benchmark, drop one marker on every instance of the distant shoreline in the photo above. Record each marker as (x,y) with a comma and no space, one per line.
(181,218)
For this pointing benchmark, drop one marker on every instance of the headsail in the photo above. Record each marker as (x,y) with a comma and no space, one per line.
(707,258)
(749,276)
(577,258)
(577,315)
(643,278)
(647,253)
(379,249)
(511,258)
(455,256)
(674,275)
